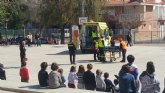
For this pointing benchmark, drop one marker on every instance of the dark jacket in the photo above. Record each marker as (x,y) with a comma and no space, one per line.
(109,85)
(2,74)
(71,48)
(129,37)
(89,80)
(43,78)
(126,83)
(22,50)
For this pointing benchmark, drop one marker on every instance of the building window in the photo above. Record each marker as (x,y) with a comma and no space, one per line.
(149,8)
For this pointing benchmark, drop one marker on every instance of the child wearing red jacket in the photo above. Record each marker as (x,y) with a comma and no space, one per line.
(24,73)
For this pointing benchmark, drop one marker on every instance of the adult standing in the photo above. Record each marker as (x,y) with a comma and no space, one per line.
(22,51)
(72,52)
(126,81)
(29,39)
(37,39)
(94,35)
(101,49)
(96,49)
(123,49)
(129,39)
(149,82)
(113,46)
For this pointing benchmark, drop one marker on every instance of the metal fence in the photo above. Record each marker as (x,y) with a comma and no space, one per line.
(23,32)
(137,36)
(149,37)
(141,36)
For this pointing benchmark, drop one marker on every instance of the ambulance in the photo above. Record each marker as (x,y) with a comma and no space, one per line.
(85,35)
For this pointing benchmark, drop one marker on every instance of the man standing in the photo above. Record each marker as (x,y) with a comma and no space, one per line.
(94,35)
(37,39)
(72,54)
(123,49)
(129,39)
(101,49)
(96,49)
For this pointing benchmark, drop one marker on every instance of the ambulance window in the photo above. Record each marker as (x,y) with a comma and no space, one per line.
(105,33)
(89,30)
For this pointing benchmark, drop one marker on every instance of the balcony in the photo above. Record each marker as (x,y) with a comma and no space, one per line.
(161,20)
(131,17)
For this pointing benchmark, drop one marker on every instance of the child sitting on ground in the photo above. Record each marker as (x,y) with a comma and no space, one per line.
(116,88)
(2,72)
(108,82)
(24,73)
(43,75)
(72,77)
(100,84)
(62,77)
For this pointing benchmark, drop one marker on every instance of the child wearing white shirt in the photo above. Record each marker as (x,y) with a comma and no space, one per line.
(100,84)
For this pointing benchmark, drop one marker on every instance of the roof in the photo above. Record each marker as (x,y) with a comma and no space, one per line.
(128,3)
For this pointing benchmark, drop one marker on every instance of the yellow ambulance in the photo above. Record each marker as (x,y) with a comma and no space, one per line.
(86,42)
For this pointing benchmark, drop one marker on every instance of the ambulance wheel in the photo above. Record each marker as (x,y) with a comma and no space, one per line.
(110,60)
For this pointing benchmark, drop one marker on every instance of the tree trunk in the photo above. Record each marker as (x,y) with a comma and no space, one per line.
(63,35)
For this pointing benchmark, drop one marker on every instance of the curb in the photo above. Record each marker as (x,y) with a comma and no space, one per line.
(18,90)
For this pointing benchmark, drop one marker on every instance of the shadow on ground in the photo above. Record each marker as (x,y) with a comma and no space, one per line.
(96,62)
(108,62)
(66,52)
(33,87)
(58,46)
(11,67)
(60,64)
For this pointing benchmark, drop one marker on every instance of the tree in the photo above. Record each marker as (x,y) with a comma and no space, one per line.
(63,12)
(12,12)
(59,12)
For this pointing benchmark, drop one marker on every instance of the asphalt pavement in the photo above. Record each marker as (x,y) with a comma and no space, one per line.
(9,56)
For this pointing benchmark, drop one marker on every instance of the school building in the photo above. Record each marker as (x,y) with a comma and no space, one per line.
(144,17)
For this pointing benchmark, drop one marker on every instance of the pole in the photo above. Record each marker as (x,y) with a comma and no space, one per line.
(82,8)
(24,31)
(6,29)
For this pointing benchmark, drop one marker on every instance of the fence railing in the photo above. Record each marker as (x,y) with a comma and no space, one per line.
(141,36)
(137,36)
(23,32)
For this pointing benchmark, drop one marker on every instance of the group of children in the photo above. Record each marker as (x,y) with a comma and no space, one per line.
(84,79)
